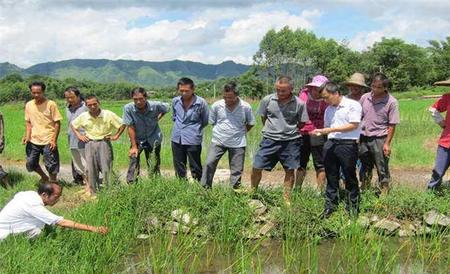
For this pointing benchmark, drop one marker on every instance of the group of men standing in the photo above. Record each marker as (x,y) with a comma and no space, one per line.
(343,134)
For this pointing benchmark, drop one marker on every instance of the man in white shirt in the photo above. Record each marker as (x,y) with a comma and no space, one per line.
(231,118)
(342,118)
(26,213)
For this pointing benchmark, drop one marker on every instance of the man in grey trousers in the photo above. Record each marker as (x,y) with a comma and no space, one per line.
(98,125)
(231,118)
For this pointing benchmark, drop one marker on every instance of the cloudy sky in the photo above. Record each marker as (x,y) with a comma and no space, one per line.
(34,31)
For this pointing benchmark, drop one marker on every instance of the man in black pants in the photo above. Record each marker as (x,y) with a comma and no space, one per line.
(342,118)
(190,116)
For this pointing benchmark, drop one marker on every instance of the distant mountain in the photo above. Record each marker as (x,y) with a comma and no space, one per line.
(7,68)
(147,73)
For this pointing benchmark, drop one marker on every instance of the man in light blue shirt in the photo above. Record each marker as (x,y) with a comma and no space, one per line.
(76,106)
(231,118)
(190,116)
(142,116)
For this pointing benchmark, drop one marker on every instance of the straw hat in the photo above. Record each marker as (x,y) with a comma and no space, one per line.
(356,79)
(318,81)
(442,83)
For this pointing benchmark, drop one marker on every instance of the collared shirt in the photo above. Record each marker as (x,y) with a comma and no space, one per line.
(316,110)
(230,127)
(97,128)
(188,125)
(42,118)
(348,111)
(146,123)
(25,213)
(71,114)
(443,105)
(378,114)
(282,119)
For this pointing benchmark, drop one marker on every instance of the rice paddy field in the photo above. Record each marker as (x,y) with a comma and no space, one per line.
(414,143)
(299,243)
(219,242)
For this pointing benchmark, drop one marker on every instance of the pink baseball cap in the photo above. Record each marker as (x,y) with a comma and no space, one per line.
(318,81)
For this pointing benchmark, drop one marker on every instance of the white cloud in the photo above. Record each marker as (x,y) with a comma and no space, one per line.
(33,31)
(253,28)
(418,30)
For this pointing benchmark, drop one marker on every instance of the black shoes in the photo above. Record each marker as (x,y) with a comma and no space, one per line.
(326,213)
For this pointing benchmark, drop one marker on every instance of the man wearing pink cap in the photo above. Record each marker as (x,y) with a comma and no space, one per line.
(312,145)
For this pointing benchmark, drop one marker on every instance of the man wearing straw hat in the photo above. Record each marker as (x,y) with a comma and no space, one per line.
(380,115)
(443,151)
(356,85)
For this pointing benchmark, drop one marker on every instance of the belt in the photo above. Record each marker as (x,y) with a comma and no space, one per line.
(99,140)
(343,141)
(369,138)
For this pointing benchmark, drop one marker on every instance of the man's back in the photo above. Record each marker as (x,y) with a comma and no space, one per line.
(25,213)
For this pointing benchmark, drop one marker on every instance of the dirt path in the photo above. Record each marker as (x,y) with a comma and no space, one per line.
(414,178)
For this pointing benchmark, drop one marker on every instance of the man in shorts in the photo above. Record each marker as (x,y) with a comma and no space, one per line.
(43,122)
(281,113)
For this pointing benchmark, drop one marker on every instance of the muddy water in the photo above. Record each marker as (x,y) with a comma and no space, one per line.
(272,257)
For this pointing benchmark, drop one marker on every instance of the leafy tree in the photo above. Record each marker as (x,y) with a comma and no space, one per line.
(440,56)
(405,64)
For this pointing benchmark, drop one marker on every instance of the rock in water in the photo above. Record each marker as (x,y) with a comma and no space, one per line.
(435,218)
(363,221)
(387,226)
(258,207)
(143,236)
(266,228)
(407,231)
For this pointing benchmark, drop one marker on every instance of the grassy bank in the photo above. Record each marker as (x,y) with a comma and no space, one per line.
(414,142)
(224,216)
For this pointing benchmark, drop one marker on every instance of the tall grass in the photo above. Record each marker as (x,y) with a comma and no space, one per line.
(301,244)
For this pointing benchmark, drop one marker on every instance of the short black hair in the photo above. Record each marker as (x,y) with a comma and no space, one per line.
(37,83)
(75,91)
(331,87)
(383,78)
(231,86)
(140,90)
(47,188)
(185,81)
(92,96)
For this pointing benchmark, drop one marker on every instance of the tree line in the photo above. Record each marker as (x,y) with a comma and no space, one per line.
(301,54)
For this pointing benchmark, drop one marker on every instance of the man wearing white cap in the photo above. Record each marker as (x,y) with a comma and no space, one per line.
(312,145)
(443,151)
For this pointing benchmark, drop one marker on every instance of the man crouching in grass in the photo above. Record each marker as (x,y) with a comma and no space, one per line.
(26,213)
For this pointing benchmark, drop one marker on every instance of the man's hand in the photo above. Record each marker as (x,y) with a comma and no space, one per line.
(52,145)
(83,138)
(25,140)
(320,131)
(133,152)
(113,138)
(101,229)
(387,150)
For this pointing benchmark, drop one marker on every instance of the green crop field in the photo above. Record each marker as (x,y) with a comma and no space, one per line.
(300,236)
(414,142)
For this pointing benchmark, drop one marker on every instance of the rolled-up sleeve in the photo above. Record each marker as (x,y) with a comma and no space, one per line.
(43,214)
